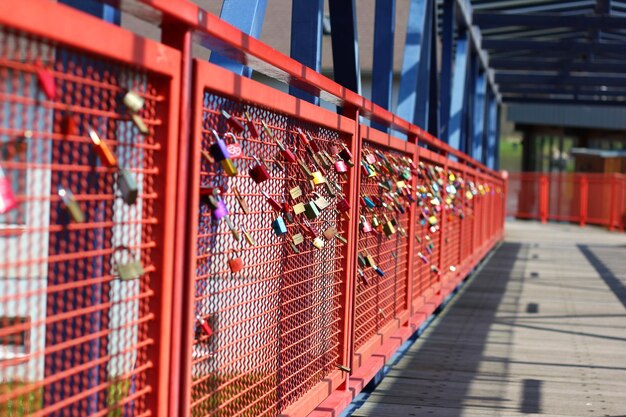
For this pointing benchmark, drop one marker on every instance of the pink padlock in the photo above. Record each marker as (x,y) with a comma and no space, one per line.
(7,199)
(366,226)
(341,167)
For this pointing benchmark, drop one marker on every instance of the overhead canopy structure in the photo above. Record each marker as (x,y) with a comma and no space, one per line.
(555,51)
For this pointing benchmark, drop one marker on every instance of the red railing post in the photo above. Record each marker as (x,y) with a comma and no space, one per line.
(613,201)
(544,195)
(412,231)
(584,200)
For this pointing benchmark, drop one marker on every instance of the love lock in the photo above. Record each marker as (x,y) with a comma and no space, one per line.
(131,269)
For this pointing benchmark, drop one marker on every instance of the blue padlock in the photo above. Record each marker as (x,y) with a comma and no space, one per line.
(368,202)
(379,271)
(279,226)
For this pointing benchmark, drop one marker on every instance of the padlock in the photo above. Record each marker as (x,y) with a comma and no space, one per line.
(422,257)
(140,124)
(128,186)
(205,326)
(68,124)
(379,271)
(388,227)
(311,210)
(252,129)
(102,149)
(228,165)
(299,208)
(308,228)
(71,205)
(297,239)
(343,205)
(232,228)
(346,155)
(330,188)
(318,242)
(367,202)
(330,232)
(132,269)
(341,167)
(375,221)
(219,149)
(341,238)
(361,260)
(219,209)
(318,178)
(295,192)
(245,207)
(434,269)
(286,153)
(8,201)
(18,146)
(234,148)
(279,226)
(235,264)
(46,81)
(369,156)
(305,169)
(321,202)
(272,202)
(363,276)
(258,172)
(312,143)
(326,159)
(369,260)
(365,225)
(133,101)
(232,122)
(248,237)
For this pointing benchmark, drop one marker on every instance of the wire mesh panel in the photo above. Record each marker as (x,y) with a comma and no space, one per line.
(83,141)
(523,195)
(382,251)
(269,273)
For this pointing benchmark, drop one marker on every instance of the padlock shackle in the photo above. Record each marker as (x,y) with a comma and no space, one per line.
(217,135)
(232,135)
(267,129)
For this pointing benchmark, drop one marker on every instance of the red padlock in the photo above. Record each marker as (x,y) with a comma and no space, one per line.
(258,172)
(235,264)
(252,129)
(205,326)
(343,205)
(275,204)
(7,199)
(286,152)
(232,122)
(46,81)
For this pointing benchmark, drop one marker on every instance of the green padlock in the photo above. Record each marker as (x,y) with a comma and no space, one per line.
(131,269)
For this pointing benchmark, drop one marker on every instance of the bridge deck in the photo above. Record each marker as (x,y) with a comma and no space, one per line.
(540,330)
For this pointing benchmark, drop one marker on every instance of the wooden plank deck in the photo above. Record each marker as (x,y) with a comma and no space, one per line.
(540,330)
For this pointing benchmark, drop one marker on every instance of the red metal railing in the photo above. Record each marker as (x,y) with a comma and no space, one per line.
(163,304)
(573,197)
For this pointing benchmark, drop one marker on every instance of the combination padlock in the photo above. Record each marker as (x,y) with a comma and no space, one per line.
(71,205)
(235,264)
(279,226)
(8,201)
(219,149)
(128,186)
(258,172)
(232,122)
(131,269)
(365,225)
(102,149)
(311,210)
(252,129)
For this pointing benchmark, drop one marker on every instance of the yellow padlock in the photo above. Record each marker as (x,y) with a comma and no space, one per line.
(318,178)
(229,167)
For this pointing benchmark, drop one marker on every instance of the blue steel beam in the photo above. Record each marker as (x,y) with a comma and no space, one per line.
(458,97)
(486,20)
(306,39)
(493,140)
(565,46)
(414,86)
(247,16)
(345,44)
(382,67)
(560,80)
(573,100)
(433,73)
(479,117)
(510,89)
(447,51)
(95,8)
(549,64)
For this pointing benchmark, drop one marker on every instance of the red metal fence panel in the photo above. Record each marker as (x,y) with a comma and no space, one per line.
(574,197)
(85,271)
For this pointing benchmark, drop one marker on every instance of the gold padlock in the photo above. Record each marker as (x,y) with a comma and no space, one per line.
(388,227)
(318,178)
(229,167)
